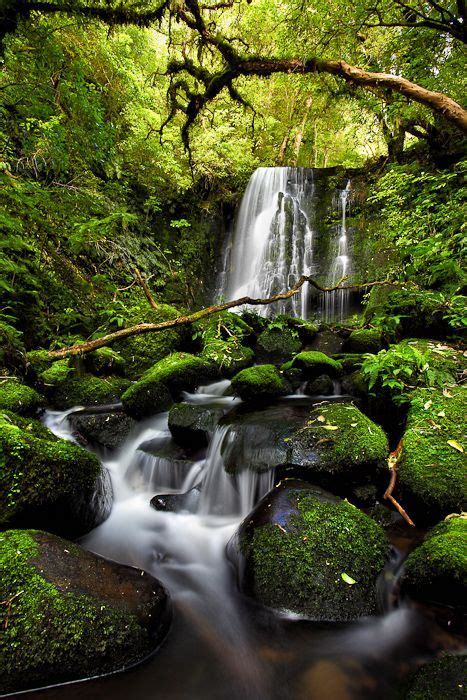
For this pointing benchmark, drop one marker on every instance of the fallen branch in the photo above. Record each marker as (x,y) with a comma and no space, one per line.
(97,343)
(392,465)
(147,292)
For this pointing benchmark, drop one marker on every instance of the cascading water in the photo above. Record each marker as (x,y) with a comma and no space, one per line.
(272,245)
(335,305)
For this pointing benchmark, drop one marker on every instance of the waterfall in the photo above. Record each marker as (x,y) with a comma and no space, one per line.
(335,305)
(272,245)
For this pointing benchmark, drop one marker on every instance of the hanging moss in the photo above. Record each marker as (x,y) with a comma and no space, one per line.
(70,616)
(18,397)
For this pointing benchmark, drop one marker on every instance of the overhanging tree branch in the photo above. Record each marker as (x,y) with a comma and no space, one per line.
(97,343)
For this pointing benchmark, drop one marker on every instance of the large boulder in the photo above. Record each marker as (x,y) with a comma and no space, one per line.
(339,444)
(431,471)
(436,571)
(306,551)
(48,482)
(442,679)
(313,363)
(260,383)
(191,424)
(141,351)
(153,393)
(72,614)
(19,398)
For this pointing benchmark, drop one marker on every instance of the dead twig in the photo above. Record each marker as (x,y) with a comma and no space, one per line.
(392,465)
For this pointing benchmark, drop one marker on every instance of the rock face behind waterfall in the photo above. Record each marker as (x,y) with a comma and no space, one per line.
(72,614)
(304,550)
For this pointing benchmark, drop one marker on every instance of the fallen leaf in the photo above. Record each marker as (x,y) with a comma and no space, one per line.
(330,427)
(441,414)
(348,579)
(457,446)
(447,393)
(427,405)
(353,425)
(321,419)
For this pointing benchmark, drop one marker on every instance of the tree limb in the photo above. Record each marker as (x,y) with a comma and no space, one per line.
(144,285)
(91,345)
(393,459)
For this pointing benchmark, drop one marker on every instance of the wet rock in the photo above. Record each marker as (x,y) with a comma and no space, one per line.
(321,386)
(443,679)
(436,571)
(176,502)
(327,342)
(364,340)
(72,614)
(260,383)
(107,430)
(339,444)
(48,482)
(145,398)
(191,425)
(305,550)
(431,471)
(355,384)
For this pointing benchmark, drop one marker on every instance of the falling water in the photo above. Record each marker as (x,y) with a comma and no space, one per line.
(335,305)
(272,245)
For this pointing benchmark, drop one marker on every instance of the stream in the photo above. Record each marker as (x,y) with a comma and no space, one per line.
(221,644)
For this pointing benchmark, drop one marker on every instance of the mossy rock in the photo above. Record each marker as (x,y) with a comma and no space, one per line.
(102,430)
(443,679)
(350,361)
(257,322)
(356,384)
(224,338)
(260,383)
(72,614)
(436,571)
(19,398)
(277,344)
(49,482)
(191,424)
(140,352)
(364,340)
(313,363)
(339,443)
(104,361)
(153,393)
(307,551)
(86,390)
(431,480)
(321,386)
(58,372)
(228,356)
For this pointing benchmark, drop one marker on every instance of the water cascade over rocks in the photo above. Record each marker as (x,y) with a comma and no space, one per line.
(276,240)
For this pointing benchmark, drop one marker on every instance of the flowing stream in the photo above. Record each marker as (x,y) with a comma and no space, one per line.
(222,645)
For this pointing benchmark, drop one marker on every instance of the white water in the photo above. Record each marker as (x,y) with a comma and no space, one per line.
(272,245)
(335,305)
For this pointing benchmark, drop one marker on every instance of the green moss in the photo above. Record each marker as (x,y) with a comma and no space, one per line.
(261,382)
(38,470)
(279,343)
(443,679)
(350,360)
(53,634)
(18,397)
(313,363)
(140,352)
(229,356)
(340,439)
(146,397)
(87,390)
(312,550)
(431,472)
(364,340)
(222,336)
(57,373)
(437,570)
(12,350)
(104,361)
(28,425)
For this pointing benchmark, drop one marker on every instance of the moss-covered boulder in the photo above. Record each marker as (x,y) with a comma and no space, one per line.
(338,443)
(436,571)
(443,679)
(351,361)
(85,390)
(140,352)
(364,340)
(191,425)
(19,398)
(304,550)
(104,361)
(48,482)
(56,373)
(71,613)
(431,471)
(277,344)
(313,363)
(177,372)
(260,383)
(224,342)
